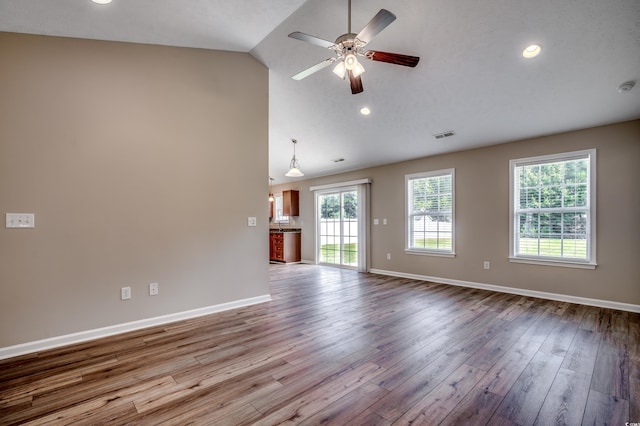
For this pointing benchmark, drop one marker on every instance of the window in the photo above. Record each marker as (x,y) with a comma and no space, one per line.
(278,209)
(552,202)
(430,213)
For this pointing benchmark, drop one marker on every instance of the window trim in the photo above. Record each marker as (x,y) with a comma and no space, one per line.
(590,263)
(424,251)
(279,218)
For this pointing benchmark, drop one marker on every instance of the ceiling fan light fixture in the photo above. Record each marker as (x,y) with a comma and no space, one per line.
(350,62)
(294,167)
(340,70)
(101,1)
(358,70)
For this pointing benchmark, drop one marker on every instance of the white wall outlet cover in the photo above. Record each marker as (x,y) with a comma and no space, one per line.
(252,221)
(153,289)
(20,220)
(384,221)
(376,221)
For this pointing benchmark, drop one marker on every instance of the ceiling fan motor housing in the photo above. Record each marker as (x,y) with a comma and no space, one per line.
(346,44)
(346,39)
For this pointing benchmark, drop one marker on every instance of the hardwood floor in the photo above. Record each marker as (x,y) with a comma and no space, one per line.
(338,347)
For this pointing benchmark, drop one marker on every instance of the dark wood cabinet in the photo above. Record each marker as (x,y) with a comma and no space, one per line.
(284,246)
(291,203)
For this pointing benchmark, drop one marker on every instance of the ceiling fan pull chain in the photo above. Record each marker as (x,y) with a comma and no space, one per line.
(349,18)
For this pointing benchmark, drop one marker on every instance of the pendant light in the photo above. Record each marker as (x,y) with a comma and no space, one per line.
(294,167)
(271,197)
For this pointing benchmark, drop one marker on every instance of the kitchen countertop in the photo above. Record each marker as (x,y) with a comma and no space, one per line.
(281,230)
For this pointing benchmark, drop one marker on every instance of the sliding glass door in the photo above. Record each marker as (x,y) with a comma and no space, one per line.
(338,228)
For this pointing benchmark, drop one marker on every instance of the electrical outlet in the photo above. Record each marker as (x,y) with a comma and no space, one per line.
(384,221)
(486,264)
(388,256)
(376,221)
(252,221)
(153,289)
(125,293)
(20,220)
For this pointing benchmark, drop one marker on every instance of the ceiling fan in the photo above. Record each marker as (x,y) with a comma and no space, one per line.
(348,47)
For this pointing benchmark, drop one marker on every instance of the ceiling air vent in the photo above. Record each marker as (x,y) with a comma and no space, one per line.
(446,134)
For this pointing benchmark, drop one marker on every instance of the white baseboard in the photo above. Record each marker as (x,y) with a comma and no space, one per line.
(521,292)
(83,336)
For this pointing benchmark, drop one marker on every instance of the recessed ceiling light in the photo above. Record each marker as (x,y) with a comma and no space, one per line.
(531,51)
(365,111)
(101,1)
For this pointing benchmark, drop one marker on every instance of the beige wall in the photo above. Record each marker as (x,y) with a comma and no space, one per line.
(482,216)
(127,154)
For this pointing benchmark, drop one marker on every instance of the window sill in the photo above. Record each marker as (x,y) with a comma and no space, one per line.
(547,262)
(429,253)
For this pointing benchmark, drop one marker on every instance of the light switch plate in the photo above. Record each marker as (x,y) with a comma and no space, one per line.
(252,221)
(125,293)
(20,220)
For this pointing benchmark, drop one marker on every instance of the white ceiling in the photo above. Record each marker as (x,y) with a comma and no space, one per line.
(471,77)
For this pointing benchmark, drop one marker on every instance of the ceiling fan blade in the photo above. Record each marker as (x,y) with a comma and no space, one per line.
(377,24)
(311,39)
(392,58)
(317,67)
(356,83)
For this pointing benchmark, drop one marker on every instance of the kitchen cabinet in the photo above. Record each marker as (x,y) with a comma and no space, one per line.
(291,203)
(284,246)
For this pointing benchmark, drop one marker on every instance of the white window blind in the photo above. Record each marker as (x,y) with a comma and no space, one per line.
(430,212)
(552,204)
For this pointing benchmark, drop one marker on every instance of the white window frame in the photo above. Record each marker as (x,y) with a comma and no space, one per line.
(409,216)
(278,217)
(364,193)
(590,261)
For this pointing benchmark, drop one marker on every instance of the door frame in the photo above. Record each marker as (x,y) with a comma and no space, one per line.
(362,187)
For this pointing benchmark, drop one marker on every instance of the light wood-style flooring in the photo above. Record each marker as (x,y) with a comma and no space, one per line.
(339,347)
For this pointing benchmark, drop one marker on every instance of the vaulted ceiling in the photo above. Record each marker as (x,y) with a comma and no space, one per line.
(471,78)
